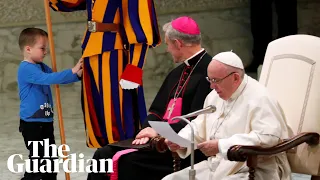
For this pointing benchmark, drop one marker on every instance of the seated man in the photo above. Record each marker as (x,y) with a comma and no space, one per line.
(183,91)
(246,115)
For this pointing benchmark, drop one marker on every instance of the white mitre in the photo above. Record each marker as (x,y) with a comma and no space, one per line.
(229,58)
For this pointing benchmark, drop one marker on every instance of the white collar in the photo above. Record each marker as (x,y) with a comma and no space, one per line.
(186,61)
(239,90)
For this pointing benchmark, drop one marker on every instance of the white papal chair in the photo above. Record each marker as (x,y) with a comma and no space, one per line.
(291,72)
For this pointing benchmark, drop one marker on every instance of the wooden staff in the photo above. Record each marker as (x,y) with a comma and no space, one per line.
(54,69)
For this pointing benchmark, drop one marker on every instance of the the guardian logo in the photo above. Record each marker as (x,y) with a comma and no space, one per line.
(74,163)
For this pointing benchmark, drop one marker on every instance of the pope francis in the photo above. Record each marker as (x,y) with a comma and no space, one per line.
(246,115)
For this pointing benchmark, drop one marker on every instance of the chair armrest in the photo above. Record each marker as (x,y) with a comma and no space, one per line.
(158,144)
(241,153)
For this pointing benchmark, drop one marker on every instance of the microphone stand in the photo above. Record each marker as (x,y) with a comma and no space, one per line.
(208,109)
(192,172)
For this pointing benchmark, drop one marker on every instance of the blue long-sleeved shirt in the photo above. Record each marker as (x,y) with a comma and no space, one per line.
(36,102)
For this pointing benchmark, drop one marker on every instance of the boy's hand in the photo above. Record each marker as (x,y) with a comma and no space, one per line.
(77,67)
(79,73)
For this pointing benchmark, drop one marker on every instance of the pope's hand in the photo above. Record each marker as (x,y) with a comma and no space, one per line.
(172,146)
(144,135)
(209,148)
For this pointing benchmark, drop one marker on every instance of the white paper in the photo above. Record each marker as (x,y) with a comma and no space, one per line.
(164,129)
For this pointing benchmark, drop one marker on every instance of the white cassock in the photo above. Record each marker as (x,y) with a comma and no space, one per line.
(249,117)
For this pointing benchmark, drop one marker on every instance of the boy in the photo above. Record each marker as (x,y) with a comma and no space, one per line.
(36,104)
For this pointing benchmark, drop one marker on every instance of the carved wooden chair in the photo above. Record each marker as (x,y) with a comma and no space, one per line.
(291,72)
(158,144)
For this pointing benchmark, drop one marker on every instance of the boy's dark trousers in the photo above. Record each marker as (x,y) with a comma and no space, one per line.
(262,25)
(38,131)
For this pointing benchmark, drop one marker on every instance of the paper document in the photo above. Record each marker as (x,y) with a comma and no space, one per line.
(165,130)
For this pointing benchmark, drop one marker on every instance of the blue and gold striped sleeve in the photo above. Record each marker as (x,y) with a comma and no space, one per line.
(142,31)
(67,5)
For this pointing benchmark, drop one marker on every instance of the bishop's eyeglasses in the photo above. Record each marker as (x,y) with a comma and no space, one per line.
(216,81)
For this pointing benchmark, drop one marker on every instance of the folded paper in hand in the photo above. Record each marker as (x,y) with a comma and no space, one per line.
(164,129)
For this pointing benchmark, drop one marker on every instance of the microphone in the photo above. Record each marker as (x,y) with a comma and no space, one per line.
(208,109)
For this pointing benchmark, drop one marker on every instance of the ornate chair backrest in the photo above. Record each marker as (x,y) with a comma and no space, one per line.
(291,72)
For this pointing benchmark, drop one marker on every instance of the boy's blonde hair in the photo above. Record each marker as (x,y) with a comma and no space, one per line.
(28,36)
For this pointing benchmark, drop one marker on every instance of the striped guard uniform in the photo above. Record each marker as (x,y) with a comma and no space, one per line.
(111,113)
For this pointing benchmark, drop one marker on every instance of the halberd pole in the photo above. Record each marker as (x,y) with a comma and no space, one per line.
(54,69)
